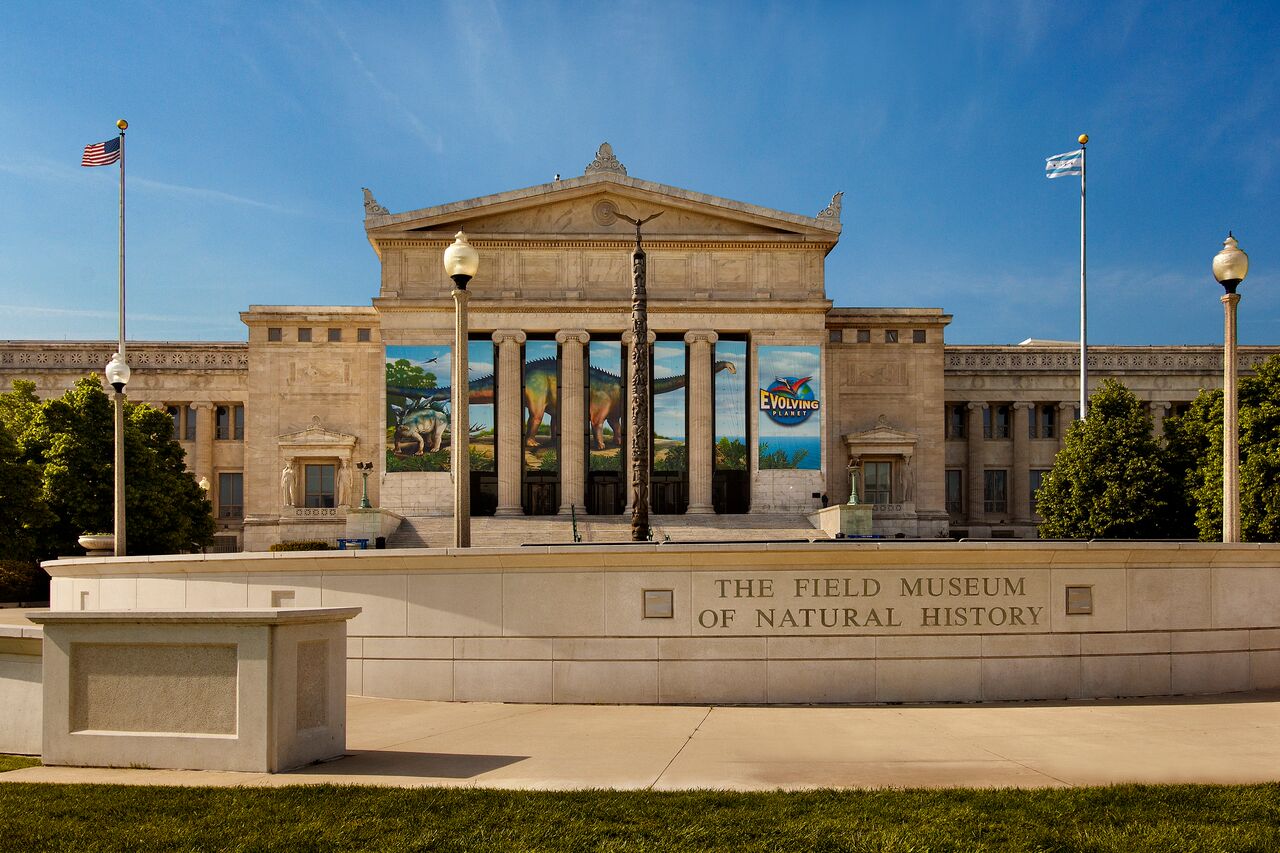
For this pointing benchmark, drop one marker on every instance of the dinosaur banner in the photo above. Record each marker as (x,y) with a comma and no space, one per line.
(418,407)
(670,449)
(606,406)
(790,424)
(730,405)
(541,406)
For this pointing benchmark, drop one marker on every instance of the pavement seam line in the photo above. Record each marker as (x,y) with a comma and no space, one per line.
(664,770)
(1025,766)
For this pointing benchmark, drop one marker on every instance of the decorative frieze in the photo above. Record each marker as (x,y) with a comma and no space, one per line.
(92,357)
(1158,359)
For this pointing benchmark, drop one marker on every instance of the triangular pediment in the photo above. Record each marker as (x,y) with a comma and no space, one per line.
(587,208)
(881,438)
(316,436)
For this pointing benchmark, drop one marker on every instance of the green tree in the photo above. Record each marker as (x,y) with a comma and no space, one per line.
(72,440)
(1195,458)
(22,510)
(731,454)
(406,373)
(1109,480)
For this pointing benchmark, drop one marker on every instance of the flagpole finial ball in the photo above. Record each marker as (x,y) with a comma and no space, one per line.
(1083,139)
(122,124)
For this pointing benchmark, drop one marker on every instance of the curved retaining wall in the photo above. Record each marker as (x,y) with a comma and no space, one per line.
(755,623)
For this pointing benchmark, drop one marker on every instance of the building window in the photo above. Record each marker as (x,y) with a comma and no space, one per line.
(919,336)
(1037,477)
(335,336)
(231,495)
(188,424)
(275,333)
(955,491)
(956,420)
(175,412)
(1042,422)
(864,336)
(995,422)
(995,491)
(304,336)
(1177,410)
(363,336)
(319,491)
(836,336)
(875,482)
(890,336)
(229,423)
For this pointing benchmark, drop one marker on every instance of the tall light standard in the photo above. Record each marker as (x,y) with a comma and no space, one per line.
(118,375)
(461,261)
(1230,266)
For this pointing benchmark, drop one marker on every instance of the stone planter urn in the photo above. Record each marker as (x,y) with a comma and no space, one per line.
(98,544)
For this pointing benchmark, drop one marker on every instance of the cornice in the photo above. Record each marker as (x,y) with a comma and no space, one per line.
(542,241)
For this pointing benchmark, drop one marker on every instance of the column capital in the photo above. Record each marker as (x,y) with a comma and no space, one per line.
(1160,404)
(1018,406)
(629,336)
(1068,405)
(694,336)
(503,336)
(973,406)
(202,405)
(578,336)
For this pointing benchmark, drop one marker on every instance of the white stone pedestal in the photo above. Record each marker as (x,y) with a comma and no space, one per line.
(843,519)
(252,690)
(371,523)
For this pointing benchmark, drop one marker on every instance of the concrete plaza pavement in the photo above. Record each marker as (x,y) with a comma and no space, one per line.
(1223,739)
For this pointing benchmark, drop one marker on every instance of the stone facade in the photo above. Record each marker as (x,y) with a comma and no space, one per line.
(943,439)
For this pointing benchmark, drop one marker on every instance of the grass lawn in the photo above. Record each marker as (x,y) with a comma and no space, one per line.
(1123,818)
(15,762)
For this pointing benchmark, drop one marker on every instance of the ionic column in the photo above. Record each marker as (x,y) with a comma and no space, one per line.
(975,446)
(1020,485)
(510,454)
(700,440)
(627,338)
(571,418)
(1158,410)
(202,465)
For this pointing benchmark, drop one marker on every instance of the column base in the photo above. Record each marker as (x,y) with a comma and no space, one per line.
(508,511)
(702,509)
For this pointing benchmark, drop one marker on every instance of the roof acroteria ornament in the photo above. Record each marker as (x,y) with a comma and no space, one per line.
(831,213)
(605,161)
(371,206)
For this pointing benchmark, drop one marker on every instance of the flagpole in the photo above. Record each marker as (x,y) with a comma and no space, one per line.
(119,397)
(1084,345)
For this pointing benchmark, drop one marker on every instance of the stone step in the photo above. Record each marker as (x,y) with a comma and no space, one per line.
(436,531)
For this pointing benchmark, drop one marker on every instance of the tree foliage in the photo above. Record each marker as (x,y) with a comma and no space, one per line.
(66,448)
(1109,480)
(1195,458)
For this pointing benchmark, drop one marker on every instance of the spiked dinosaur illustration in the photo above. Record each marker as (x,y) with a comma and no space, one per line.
(605,397)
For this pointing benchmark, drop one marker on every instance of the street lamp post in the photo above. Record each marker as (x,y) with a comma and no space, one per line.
(118,375)
(366,468)
(461,261)
(1230,266)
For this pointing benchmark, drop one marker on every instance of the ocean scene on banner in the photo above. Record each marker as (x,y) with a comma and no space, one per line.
(606,406)
(670,376)
(731,405)
(790,423)
(541,409)
(419,432)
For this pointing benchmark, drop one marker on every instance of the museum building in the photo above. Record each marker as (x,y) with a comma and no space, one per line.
(765,396)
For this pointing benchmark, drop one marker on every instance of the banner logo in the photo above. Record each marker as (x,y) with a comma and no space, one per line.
(789,400)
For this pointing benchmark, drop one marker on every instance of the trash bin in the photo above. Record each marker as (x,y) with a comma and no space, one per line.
(380,543)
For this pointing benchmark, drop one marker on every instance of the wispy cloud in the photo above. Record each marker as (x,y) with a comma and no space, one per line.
(50,170)
(389,97)
(169,320)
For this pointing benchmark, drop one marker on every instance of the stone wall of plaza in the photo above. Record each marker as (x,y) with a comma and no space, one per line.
(750,622)
(1007,408)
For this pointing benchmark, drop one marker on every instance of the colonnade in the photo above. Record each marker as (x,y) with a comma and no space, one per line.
(572,410)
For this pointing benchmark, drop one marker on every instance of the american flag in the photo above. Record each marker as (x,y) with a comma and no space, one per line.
(101,153)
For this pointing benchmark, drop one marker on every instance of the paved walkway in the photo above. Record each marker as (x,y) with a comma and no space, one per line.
(1233,738)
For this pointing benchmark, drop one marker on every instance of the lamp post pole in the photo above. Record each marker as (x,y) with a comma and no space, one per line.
(461,262)
(1230,266)
(366,468)
(118,376)
(639,390)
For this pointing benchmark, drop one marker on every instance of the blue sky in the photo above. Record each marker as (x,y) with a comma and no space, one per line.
(253,127)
